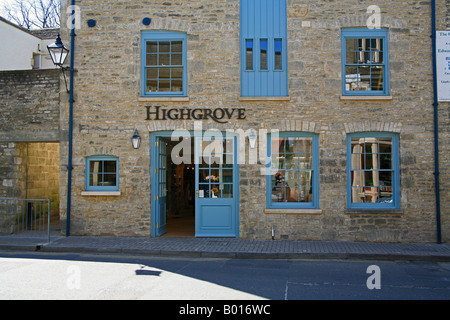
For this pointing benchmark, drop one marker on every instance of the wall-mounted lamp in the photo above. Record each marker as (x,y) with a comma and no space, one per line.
(252,138)
(136,140)
(59,53)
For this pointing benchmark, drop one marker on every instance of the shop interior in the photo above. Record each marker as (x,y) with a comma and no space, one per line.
(180,194)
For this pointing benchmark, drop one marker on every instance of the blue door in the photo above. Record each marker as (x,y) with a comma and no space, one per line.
(216,181)
(159,190)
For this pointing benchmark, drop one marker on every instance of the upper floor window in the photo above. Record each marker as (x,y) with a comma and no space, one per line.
(293,181)
(264,48)
(102,173)
(365,66)
(164,71)
(373,170)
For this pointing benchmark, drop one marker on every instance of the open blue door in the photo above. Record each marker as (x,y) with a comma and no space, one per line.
(216,181)
(159,189)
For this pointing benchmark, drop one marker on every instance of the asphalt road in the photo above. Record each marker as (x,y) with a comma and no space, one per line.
(88,276)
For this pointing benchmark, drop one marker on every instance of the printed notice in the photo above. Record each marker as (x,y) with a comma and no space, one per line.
(443,64)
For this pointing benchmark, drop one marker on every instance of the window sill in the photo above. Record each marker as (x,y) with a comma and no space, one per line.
(100,193)
(264,98)
(293,211)
(163,99)
(373,211)
(366,98)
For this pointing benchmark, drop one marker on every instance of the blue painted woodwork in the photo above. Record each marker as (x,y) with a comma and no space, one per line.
(107,176)
(166,67)
(361,161)
(264,27)
(379,84)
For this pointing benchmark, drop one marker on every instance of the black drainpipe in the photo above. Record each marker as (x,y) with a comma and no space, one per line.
(436,126)
(71,101)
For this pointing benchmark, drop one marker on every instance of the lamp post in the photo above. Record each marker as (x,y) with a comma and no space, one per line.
(58,54)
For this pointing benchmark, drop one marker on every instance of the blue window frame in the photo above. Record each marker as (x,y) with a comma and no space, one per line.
(102,173)
(163,64)
(293,177)
(264,48)
(365,62)
(373,177)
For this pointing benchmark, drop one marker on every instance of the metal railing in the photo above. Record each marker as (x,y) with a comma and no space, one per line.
(25,216)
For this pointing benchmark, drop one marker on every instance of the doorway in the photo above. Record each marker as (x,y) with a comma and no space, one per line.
(180,207)
(196,196)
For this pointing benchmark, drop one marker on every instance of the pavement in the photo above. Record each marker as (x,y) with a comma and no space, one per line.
(229,248)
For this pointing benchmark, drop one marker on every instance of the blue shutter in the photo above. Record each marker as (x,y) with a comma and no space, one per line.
(264,20)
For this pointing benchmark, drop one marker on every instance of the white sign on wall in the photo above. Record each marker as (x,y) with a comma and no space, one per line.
(443,64)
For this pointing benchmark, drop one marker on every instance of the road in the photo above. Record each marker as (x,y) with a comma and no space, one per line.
(88,276)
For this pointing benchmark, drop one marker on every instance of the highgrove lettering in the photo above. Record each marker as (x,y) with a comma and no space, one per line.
(219,115)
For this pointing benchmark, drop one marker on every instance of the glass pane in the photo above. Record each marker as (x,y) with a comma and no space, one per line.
(304,145)
(351,78)
(249,53)
(177,73)
(278,179)
(95,166)
(95,180)
(152,47)
(278,162)
(227,175)
(289,143)
(109,180)
(164,73)
(292,178)
(177,46)
(152,86)
(227,191)
(292,161)
(263,44)
(228,146)
(306,194)
(279,194)
(278,49)
(215,191)
(376,74)
(164,85)
(110,167)
(177,59)
(205,189)
(152,73)
(364,82)
(215,176)
(351,45)
(358,195)
(385,178)
(204,175)
(177,85)
(164,47)
(152,59)
(385,161)
(228,161)
(305,161)
(164,60)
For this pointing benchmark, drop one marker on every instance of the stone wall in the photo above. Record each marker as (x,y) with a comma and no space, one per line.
(29,119)
(30,105)
(108,108)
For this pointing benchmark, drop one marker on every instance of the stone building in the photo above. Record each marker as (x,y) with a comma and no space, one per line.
(299,120)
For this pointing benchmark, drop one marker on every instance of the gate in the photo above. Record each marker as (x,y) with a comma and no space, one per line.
(25,216)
